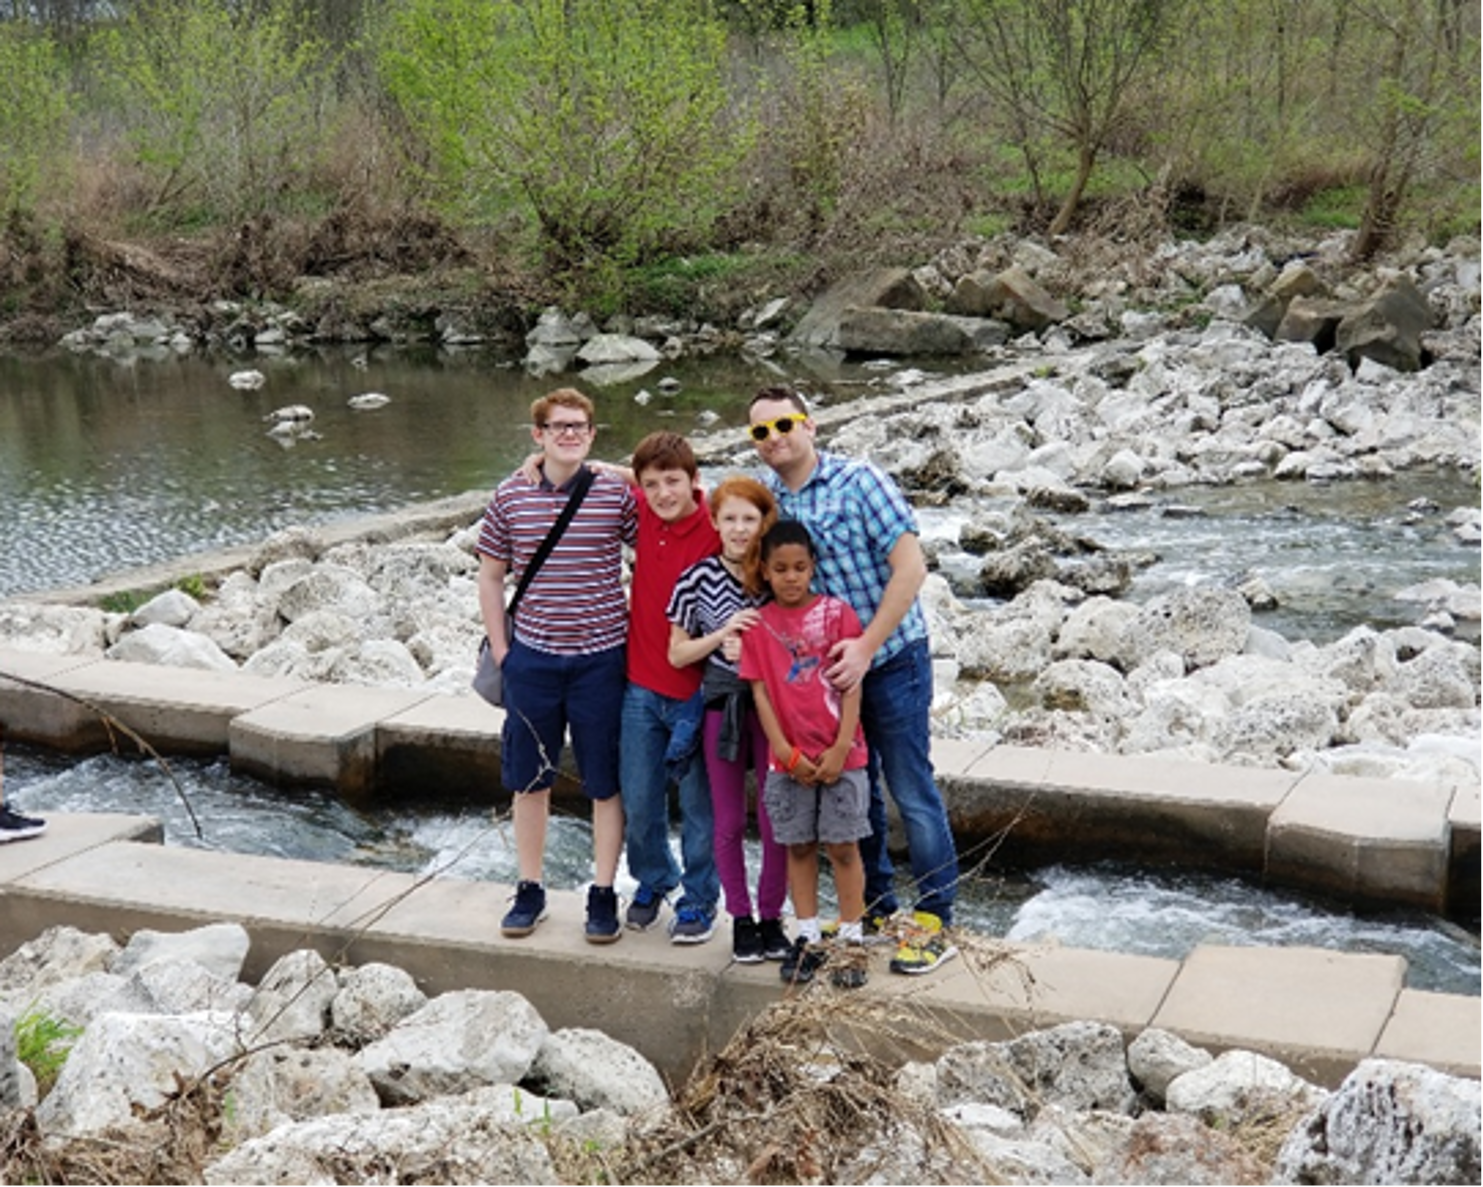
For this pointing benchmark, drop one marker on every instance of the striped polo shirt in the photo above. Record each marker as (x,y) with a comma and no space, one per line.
(575,605)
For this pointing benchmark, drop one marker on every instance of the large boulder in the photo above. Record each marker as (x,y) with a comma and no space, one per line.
(1388,327)
(888,288)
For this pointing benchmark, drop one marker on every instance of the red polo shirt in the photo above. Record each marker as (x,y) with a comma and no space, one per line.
(662,553)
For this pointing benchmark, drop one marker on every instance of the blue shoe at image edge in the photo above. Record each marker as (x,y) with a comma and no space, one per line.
(529,910)
(602,915)
(643,911)
(15,827)
(692,925)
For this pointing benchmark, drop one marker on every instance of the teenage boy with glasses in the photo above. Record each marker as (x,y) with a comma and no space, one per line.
(563,655)
(870,555)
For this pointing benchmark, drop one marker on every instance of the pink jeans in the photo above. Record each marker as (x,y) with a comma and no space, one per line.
(729,801)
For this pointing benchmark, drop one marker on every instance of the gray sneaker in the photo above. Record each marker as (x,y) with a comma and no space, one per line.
(643,911)
(692,925)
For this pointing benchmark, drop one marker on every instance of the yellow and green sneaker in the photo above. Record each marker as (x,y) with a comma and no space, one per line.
(924,946)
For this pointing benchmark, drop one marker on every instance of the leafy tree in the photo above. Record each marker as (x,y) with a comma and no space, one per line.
(36,108)
(1062,70)
(223,102)
(608,121)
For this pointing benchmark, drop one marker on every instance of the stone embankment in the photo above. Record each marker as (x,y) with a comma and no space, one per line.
(327,1073)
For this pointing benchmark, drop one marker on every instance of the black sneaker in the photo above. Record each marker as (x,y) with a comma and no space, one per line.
(643,911)
(775,942)
(15,827)
(746,941)
(802,963)
(529,910)
(602,915)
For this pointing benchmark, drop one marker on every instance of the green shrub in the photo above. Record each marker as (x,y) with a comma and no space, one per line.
(605,123)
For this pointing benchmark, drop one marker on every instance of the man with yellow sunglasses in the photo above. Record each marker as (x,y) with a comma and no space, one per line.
(870,554)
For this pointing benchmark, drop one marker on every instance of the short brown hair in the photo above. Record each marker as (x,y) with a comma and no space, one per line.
(792,395)
(664,450)
(562,397)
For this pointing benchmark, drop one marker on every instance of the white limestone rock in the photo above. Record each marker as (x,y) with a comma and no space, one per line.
(1178,1150)
(597,1072)
(372,998)
(458,1041)
(1202,625)
(1239,1086)
(292,1002)
(1078,1065)
(53,630)
(171,647)
(60,953)
(173,607)
(1157,1056)
(276,1086)
(219,947)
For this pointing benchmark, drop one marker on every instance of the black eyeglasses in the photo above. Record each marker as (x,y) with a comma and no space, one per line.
(783,424)
(568,429)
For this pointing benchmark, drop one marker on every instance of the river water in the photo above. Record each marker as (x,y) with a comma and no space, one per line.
(107,465)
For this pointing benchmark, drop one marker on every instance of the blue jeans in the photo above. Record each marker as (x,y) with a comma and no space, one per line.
(653,722)
(895,710)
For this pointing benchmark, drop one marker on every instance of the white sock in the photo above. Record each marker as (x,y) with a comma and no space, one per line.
(809,930)
(852,933)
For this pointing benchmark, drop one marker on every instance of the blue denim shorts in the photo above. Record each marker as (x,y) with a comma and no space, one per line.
(831,814)
(545,696)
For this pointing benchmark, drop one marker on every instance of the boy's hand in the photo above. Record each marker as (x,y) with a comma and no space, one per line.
(530,469)
(830,764)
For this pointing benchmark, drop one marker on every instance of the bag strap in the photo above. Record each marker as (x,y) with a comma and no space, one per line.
(574,500)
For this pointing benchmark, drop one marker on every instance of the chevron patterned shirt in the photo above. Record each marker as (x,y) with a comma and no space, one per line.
(705,596)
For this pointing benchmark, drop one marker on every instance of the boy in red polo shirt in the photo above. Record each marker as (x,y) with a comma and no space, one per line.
(662,707)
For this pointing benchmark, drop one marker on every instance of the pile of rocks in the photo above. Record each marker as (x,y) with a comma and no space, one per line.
(346,1075)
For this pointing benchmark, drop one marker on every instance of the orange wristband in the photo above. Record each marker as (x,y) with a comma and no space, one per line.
(793,759)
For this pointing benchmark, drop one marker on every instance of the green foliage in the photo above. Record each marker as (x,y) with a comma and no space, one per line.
(124,602)
(988,224)
(1342,206)
(223,104)
(668,285)
(43,1044)
(607,122)
(194,585)
(36,110)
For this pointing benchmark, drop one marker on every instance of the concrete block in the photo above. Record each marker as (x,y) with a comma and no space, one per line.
(176,710)
(1033,986)
(322,737)
(30,711)
(1317,1011)
(1363,840)
(1438,1029)
(1054,805)
(1463,858)
(445,749)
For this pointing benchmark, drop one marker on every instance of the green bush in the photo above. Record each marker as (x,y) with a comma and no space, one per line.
(606,123)
(222,103)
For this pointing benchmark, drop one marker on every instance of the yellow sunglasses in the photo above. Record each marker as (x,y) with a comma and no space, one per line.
(783,424)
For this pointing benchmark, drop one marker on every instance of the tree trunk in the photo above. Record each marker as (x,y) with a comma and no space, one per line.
(1086,158)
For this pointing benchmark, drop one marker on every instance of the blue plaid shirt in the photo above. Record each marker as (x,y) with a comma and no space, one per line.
(856,513)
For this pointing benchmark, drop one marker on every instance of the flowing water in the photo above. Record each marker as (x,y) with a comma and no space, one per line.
(105,465)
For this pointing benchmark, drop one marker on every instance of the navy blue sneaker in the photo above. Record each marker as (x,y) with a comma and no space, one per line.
(643,911)
(529,910)
(602,915)
(692,925)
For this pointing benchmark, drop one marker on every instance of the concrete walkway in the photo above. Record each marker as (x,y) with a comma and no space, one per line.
(1318,1011)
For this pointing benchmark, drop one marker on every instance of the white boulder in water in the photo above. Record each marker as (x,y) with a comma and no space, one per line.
(291,414)
(368,400)
(247,381)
